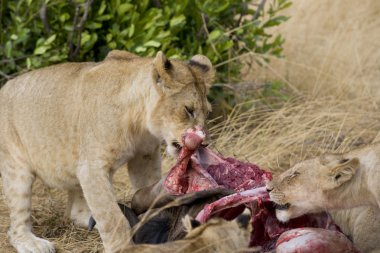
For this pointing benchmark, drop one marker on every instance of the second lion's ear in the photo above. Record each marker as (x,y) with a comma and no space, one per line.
(344,171)
(202,67)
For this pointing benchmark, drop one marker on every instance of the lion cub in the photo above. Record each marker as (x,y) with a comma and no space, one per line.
(335,182)
(74,124)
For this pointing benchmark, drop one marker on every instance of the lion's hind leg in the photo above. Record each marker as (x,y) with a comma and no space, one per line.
(17,187)
(77,208)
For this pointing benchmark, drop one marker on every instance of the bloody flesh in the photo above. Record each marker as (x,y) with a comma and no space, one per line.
(314,240)
(199,168)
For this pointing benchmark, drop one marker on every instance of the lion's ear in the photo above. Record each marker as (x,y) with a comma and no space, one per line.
(344,170)
(203,69)
(162,68)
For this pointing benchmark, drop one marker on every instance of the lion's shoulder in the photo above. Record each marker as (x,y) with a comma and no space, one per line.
(121,55)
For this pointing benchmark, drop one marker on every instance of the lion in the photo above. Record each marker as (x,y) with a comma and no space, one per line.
(334,182)
(215,236)
(74,124)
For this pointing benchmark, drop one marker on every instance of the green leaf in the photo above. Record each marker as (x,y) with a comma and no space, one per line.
(163,34)
(8,49)
(85,38)
(152,43)
(222,7)
(104,17)
(55,58)
(102,8)
(178,20)
(109,37)
(131,30)
(140,49)
(112,44)
(28,63)
(123,8)
(40,50)
(50,39)
(94,25)
(215,35)
(275,21)
(63,17)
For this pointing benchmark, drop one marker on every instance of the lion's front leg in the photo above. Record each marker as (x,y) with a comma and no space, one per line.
(94,178)
(145,168)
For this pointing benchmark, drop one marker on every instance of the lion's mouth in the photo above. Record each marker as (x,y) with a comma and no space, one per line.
(282,207)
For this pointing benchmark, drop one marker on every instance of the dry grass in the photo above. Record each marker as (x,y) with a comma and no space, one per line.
(300,129)
(332,48)
(332,60)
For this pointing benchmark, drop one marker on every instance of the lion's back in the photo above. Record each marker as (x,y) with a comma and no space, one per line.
(35,107)
(32,96)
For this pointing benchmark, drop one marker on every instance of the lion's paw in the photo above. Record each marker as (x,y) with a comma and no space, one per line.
(31,244)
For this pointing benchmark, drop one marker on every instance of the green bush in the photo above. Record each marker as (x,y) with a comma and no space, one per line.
(36,33)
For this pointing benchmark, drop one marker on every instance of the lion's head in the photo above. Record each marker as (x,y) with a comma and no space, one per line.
(182,88)
(227,235)
(308,187)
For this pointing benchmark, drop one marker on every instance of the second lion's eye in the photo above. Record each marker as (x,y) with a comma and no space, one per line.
(292,176)
(190,112)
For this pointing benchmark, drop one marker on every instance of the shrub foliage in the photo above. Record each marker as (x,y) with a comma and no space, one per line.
(38,33)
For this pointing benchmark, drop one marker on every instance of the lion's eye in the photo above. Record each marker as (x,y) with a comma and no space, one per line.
(190,112)
(208,114)
(296,173)
(293,175)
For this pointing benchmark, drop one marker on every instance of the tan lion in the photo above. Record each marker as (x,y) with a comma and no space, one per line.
(215,236)
(334,182)
(74,124)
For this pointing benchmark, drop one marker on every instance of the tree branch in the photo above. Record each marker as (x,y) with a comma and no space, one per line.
(208,34)
(71,36)
(260,7)
(43,17)
(5,75)
(77,29)
(242,14)
(156,3)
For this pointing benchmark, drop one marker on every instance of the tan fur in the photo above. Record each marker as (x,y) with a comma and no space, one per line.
(215,236)
(335,182)
(362,225)
(74,124)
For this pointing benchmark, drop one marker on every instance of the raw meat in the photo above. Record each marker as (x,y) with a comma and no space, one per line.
(314,240)
(199,168)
